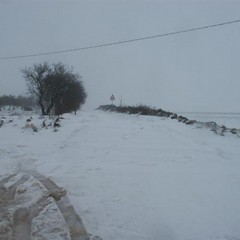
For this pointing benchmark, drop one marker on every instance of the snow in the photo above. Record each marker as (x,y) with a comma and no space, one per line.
(231,120)
(29,211)
(43,224)
(134,177)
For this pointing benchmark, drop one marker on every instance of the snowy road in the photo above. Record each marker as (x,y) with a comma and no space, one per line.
(134,177)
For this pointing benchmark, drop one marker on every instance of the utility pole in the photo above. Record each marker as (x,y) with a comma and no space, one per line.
(121,102)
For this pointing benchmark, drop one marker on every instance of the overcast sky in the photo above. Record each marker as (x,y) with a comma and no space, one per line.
(195,71)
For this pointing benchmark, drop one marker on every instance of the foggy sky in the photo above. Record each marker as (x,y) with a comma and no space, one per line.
(196,71)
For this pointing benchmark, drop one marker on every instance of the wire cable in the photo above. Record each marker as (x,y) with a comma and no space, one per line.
(122,42)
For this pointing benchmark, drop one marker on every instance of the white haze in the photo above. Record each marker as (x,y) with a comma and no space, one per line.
(196,71)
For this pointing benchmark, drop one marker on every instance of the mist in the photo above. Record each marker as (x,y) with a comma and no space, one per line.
(196,71)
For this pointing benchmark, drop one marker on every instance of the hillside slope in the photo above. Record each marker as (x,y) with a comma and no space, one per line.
(135,177)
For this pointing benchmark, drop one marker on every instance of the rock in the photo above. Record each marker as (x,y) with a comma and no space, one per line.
(234,131)
(34,207)
(190,122)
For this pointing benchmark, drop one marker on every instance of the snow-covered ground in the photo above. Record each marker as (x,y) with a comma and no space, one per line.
(231,120)
(135,177)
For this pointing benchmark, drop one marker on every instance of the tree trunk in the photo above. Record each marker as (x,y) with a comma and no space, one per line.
(49,108)
(42,108)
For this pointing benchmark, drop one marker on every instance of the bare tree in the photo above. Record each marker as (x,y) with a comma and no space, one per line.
(36,82)
(50,84)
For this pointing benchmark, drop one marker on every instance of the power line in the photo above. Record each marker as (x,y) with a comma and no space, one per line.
(122,42)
